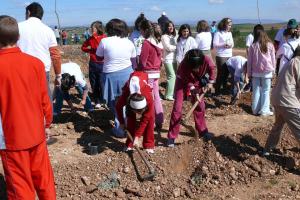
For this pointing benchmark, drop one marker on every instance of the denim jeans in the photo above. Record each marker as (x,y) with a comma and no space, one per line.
(60,96)
(261,95)
(95,71)
(234,80)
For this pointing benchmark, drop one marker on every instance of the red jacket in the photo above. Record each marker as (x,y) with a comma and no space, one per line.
(90,46)
(190,78)
(24,101)
(150,58)
(146,91)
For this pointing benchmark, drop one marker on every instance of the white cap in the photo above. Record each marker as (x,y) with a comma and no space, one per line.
(163,13)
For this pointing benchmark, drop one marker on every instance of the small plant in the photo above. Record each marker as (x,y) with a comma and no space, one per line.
(273,181)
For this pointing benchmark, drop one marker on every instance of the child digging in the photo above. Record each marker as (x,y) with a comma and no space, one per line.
(191,79)
(137,97)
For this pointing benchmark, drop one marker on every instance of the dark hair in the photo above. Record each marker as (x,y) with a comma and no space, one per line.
(67,81)
(138,21)
(117,27)
(166,28)
(151,30)
(296,52)
(202,26)
(194,58)
(135,97)
(98,26)
(9,31)
(182,27)
(261,37)
(224,23)
(35,10)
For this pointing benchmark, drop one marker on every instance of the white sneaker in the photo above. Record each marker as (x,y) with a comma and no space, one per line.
(270,113)
(127,149)
(151,151)
(98,106)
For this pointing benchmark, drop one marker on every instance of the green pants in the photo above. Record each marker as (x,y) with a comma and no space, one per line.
(171,69)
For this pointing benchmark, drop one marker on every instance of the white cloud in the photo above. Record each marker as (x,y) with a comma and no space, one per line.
(216,1)
(155,8)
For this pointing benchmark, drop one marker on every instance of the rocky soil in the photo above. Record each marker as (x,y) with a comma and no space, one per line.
(230,166)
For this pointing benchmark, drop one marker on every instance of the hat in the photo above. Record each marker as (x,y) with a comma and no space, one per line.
(163,13)
(292,24)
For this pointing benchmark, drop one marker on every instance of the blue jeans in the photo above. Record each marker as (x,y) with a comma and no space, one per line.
(95,71)
(261,95)
(60,96)
(234,80)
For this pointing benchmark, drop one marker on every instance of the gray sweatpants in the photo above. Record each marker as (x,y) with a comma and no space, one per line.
(283,115)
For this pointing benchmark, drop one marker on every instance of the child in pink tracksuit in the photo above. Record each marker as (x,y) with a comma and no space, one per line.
(150,62)
(191,79)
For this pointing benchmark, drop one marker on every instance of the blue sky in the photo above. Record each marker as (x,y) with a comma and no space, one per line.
(83,12)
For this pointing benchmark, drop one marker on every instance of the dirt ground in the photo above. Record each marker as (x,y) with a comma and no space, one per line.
(229,166)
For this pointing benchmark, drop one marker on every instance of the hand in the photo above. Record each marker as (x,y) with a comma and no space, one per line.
(57,81)
(83,101)
(136,141)
(73,110)
(122,126)
(198,97)
(47,132)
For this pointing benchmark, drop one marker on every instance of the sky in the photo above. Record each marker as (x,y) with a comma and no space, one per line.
(83,12)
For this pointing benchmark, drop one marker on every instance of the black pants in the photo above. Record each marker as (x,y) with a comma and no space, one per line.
(222,74)
(95,71)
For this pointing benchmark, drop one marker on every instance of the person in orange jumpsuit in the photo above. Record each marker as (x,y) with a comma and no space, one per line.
(138,99)
(25,117)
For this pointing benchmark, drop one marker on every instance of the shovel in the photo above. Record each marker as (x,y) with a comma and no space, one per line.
(184,121)
(152,172)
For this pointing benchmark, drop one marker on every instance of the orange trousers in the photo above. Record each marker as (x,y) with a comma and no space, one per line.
(27,173)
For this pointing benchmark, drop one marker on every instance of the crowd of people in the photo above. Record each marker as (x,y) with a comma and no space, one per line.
(124,74)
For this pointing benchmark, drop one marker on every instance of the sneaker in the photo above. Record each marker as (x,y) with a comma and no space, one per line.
(127,149)
(265,152)
(170,99)
(208,136)
(98,106)
(270,113)
(171,142)
(150,151)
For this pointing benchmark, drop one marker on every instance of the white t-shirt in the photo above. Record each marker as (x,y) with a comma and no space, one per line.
(169,45)
(35,39)
(279,36)
(74,70)
(56,33)
(285,52)
(203,40)
(117,53)
(237,63)
(220,39)
(249,40)
(183,46)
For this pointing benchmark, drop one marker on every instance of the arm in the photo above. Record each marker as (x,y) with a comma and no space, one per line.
(273,56)
(86,47)
(56,62)
(85,94)
(249,62)
(166,44)
(122,100)
(100,51)
(46,103)
(144,55)
(216,41)
(231,41)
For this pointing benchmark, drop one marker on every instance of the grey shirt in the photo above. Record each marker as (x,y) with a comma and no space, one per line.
(286,92)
